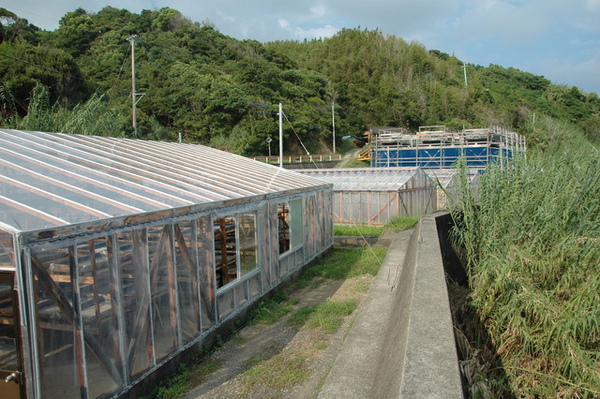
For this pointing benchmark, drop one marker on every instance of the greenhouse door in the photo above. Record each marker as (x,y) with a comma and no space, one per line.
(9,342)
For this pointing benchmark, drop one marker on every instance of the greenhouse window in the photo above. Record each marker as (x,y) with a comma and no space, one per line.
(290,225)
(248,240)
(225,251)
(235,247)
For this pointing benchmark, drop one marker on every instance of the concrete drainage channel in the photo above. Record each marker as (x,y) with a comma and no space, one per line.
(402,341)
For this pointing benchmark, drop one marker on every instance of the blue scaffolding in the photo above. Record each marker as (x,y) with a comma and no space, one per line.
(435,148)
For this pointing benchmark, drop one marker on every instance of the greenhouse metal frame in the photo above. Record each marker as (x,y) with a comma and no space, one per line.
(119,256)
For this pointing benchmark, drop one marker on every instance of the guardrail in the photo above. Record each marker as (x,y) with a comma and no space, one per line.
(287,159)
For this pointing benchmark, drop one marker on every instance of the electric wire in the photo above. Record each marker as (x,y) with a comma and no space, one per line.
(148,47)
(300,140)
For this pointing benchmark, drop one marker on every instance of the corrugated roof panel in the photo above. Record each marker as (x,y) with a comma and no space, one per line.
(53,179)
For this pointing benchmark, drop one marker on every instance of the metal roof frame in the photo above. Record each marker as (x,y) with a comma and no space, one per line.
(54,179)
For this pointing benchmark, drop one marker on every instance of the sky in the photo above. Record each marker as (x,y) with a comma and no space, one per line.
(558,39)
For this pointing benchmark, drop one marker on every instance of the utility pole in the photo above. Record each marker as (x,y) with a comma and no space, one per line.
(333,122)
(135,96)
(465,70)
(281,135)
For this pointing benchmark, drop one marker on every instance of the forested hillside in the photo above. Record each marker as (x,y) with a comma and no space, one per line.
(224,92)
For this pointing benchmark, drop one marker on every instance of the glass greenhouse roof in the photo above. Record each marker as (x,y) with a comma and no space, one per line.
(53,179)
(443,176)
(365,179)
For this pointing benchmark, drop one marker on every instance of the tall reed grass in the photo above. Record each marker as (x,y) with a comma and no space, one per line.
(93,117)
(532,243)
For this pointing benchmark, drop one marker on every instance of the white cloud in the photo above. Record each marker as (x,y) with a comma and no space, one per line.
(315,33)
(284,23)
(319,10)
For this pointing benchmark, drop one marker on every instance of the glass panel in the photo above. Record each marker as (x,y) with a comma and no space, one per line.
(187,280)
(296,223)
(241,294)
(99,315)
(225,251)
(53,298)
(225,303)
(46,203)
(53,164)
(162,284)
(7,251)
(206,264)
(248,244)
(133,261)
(283,215)
(79,192)
(254,286)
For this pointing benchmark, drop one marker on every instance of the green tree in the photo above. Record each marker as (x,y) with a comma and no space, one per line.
(77,31)
(23,66)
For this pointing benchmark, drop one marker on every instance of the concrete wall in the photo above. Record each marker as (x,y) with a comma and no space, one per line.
(402,341)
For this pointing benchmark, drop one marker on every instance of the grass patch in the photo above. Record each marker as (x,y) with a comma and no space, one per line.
(175,387)
(355,163)
(251,362)
(188,375)
(202,370)
(278,372)
(346,146)
(300,317)
(344,263)
(357,230)
(329,315)
(270,310)
(396,224)
(404,223)
(362,286)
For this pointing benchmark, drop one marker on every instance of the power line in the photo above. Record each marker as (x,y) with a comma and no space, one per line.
(29,12)
(294,130)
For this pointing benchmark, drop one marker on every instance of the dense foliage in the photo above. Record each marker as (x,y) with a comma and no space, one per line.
(532,243)
(216,90)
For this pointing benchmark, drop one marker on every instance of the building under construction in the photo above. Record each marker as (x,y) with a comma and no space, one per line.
(436,147)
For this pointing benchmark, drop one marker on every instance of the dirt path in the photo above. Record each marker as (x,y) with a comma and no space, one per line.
(282,360)
(349,156)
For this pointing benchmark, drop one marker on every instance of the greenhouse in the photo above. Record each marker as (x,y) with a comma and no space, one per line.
(447,181)
(377,195)
(120,257)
